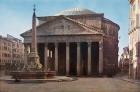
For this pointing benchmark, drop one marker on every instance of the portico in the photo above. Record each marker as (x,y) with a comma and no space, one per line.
(75,56)
(82,43)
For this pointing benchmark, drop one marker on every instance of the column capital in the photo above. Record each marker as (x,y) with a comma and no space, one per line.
(101,41)
(46,44)
(89,43)
(56,43)
(28,49)
(67,43)
(78,43)
(101,44)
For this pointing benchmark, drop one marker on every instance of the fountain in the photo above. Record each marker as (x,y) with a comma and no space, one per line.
(32,68)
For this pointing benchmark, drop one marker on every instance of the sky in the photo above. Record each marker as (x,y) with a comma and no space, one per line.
(16,15)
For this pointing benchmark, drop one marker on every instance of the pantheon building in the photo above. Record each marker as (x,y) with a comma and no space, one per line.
(76,42)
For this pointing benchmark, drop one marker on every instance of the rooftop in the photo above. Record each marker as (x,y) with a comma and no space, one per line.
(76,11)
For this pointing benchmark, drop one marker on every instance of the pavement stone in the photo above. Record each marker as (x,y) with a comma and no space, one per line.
(79,85)
(54,79)
(129,80)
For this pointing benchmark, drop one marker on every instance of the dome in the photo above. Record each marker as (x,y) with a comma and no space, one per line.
(75,11)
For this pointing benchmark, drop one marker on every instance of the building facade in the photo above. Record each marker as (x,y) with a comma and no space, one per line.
(124,61)
(134,39)
(11,50)
(76,42)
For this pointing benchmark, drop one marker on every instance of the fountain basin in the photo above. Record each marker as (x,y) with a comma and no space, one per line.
(17,75)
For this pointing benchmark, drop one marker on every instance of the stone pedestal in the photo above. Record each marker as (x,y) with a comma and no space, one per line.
(33,62)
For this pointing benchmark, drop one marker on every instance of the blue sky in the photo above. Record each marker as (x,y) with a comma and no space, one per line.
(16,15)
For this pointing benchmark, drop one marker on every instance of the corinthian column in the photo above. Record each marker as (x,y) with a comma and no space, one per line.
(56,58)
(46,57)
(89,58)
(78,59)
(100,57)
(67,59)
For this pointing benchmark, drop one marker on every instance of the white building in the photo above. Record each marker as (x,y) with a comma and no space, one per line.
(134,39)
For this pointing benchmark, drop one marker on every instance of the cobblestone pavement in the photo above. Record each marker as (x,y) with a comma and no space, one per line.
(80,85)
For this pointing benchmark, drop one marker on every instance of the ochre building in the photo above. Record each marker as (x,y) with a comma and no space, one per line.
(76,42)
(11,50)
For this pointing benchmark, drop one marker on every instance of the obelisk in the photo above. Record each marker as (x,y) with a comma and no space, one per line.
(34,42)
(33,58)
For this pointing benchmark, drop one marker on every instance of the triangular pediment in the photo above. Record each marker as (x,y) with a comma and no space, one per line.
(62,26)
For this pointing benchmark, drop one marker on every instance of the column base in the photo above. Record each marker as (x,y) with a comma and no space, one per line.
(78,75)
(67,75)
(89,74)
(100,75)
